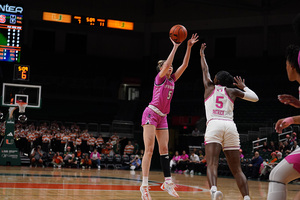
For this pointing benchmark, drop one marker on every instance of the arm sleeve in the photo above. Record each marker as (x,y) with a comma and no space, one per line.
(249,95)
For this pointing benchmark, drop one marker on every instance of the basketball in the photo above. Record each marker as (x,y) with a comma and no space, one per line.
(178,33)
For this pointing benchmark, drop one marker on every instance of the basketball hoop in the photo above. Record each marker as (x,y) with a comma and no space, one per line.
(22,106)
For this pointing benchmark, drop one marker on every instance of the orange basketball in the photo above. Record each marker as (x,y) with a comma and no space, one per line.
(178,33)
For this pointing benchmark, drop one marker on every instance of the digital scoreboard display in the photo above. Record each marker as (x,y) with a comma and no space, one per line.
(11,20)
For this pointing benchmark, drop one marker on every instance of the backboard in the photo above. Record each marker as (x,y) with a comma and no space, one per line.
(12,93)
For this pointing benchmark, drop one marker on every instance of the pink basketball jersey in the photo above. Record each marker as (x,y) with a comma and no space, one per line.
(162,93)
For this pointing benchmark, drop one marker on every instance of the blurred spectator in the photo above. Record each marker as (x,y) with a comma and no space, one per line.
(265,147)
(272,146)
(114,138)
(67,154)
(117,147)
(91,143)
(195,132)
(287,148)
(46,141)
(293,148)
(136,148)
(281,147)
(253,167)
(78,143)
(84,136)
(86,162)
(175,161)
(95,157)
(99,143)
(141,154)
(57,160)
(182,164)
(128,150)
(266,167)
(65,138)
(293,138)
(241,155)
(36,156)
(194,162)
(72,161)
(73,136)
(134,164)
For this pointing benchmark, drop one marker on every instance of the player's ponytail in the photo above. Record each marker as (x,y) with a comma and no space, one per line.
(159,65)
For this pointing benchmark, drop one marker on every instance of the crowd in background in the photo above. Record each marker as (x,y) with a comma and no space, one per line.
(59,145)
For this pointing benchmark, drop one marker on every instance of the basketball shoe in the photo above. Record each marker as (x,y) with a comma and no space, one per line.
(145,193)
(216,195)
(170,188)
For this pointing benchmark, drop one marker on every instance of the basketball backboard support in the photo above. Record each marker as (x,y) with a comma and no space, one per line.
(13,93)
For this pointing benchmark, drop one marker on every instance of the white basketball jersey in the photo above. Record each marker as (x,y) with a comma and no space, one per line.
(219,105)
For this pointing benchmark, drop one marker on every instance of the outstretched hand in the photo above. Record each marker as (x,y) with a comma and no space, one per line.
(174,43)
(240,83)
(193,40)
(203,47)
(289,100)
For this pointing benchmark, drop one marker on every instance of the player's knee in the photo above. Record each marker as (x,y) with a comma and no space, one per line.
(273,175)
(149,151)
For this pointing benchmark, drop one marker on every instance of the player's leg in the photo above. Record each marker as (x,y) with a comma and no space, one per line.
(233,160)
(212,152)
(162,136)
(281,175)
(149,141)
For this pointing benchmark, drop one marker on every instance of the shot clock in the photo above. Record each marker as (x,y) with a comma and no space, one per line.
(21,72)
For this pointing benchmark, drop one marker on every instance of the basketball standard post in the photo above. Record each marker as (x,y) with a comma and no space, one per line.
(9,154)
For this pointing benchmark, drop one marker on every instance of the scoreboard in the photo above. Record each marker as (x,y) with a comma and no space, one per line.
(11,20)
(88,20)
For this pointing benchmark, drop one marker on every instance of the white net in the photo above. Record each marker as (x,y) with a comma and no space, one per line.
(22,107)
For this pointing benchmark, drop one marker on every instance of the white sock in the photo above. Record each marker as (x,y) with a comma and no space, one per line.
(168,180)
(246,197)
(145,181)
(277,191)
(213,188)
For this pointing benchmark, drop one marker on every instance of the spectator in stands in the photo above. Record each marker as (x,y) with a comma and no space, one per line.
(136,148)
(99,143)
(78,143)
(293,148)
(265,147)
(114,138)
(72,141)
(128,150)
(84,136)
(280,147)
(57,160)
(91,143)
(241,155)
(109,147)
(65,138)
(293,138)
(279,156)
(46,141)
(95,158)
(36,156)
(174,161)
(67,154)
(267,166)
(286,148)
(193,163)
(141,154)
(117,147)
(72,161)
(30,138)
(201,154)
(253,167)
(135,163)
(86,162)
(195,132)
(182,164)
(272,147)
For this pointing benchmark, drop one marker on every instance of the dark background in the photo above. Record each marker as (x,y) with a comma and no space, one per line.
(81,68)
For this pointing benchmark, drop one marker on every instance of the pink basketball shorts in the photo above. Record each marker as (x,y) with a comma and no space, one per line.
(152,118)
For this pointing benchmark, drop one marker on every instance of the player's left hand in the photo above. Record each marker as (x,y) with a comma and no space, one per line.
(193,40)
(289,100)
(240,83)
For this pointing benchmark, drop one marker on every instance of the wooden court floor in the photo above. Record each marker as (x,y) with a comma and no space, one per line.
(26,183)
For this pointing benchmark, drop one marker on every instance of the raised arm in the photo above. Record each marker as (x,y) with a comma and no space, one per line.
(206,76)
(247,93)
(168,63)
(186,59)
(285,122)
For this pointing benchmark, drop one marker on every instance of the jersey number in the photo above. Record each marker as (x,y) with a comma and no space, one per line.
(219,103)
(170,95)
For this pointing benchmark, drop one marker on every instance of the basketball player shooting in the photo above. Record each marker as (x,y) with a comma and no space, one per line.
(154,119)
(221,132)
